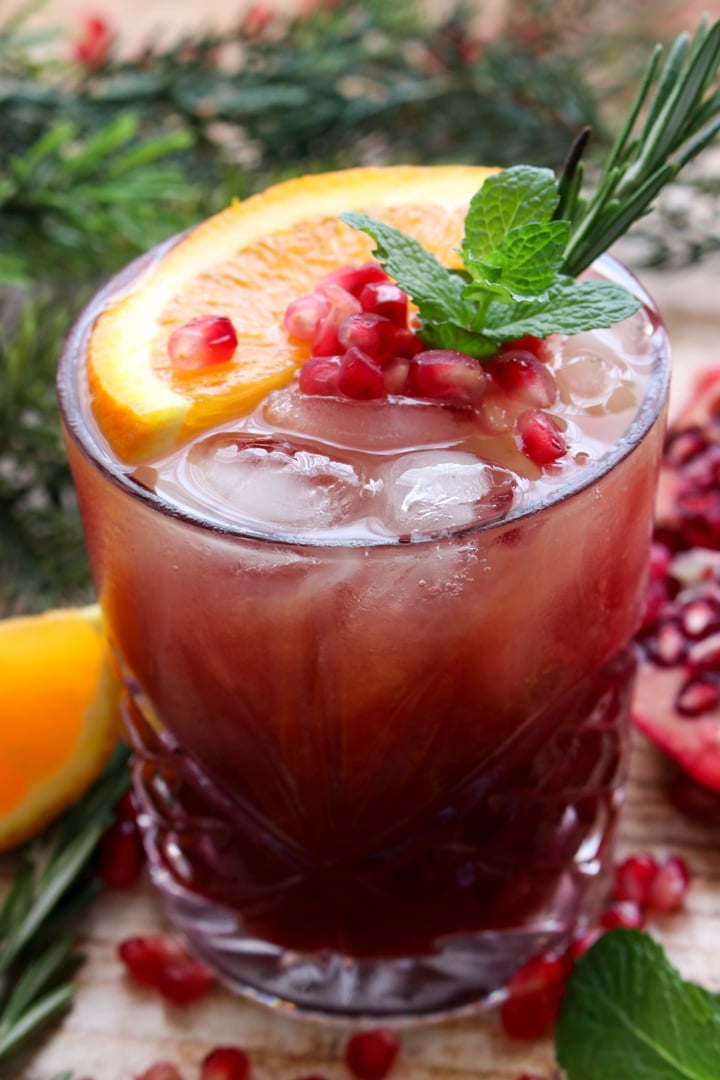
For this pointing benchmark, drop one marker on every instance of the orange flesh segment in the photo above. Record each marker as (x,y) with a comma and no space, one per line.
(41,728)
(248,263)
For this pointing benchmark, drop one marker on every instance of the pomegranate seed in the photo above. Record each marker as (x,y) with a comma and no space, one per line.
(624,914)
(385,298)
(325,341)
(667,646)
(354,278)
(540,437)
(535,345)
(530,1076)
(670,885)
(370,1055)
(121,855)
(524,379)
(360,377)
(225,1063)
(184,981)
(698,695)
(407,343)
(126,809)
(634,877)
(210,339)
(447,376)
(303,316)
(319,375)
(161,1070)
(372,334)
(312,1076)
(145,958)
(581,945)
(395,375)
(535,990)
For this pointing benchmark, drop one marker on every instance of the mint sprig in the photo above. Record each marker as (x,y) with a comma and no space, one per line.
(528,235)
(512,284)
(628,1014)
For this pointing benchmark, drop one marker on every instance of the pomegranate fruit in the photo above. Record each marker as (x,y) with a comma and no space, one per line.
(677,700)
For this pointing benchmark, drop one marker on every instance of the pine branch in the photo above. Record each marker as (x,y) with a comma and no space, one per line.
(39,915)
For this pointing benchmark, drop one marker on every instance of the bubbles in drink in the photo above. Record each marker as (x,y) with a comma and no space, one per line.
(270,484)
(436,490)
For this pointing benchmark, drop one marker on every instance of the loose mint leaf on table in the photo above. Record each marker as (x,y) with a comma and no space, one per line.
(628,1014)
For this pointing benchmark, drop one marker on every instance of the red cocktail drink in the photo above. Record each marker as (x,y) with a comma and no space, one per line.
(378,672)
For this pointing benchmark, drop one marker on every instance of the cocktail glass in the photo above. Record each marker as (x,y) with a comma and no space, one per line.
(375,778)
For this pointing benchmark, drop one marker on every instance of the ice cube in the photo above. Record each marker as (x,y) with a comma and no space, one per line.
(271,484)
(435,491)
(371,426)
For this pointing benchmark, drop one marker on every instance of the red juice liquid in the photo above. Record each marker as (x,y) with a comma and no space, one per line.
(378,731)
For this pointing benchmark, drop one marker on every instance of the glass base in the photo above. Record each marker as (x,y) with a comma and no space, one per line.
(465,976)
(423,930)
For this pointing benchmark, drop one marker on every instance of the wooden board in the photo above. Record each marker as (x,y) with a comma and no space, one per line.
(116,1030)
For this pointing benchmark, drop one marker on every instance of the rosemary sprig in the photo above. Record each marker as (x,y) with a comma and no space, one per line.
(680,117)
(38,917)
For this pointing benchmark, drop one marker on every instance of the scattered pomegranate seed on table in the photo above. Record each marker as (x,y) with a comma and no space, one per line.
(370,1055)
(161,964)
(225,1063)
(623,914)
(670,885)
(633,878)
(202,342)
(183,981)
(122,857)
(161,1070)
(535,992)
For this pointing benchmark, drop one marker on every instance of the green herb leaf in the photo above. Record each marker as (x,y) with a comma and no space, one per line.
(627,1014)
(437,291)
(567,308)
(525,262)
(509,200)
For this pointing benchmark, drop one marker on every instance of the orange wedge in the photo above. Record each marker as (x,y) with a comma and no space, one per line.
(59,718)
(248,263)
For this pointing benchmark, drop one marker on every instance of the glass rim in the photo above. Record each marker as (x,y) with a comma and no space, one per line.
(71,387)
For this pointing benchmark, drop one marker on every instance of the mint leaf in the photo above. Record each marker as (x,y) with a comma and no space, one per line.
(437,291)
(567,308)
(508,200)
(525,262)
(627,1014)
(448,336)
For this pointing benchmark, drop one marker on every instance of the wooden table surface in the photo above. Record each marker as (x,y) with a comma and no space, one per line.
(115,1030)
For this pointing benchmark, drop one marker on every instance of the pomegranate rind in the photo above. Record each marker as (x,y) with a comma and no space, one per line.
(140,408)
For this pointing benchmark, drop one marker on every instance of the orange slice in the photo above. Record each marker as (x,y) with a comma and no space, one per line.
(248,263)
(59,718)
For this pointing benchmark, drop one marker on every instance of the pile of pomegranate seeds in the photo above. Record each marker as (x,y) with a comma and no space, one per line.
(207,340)
(162,965)
(370,1055)
(363,348)
(122,857)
